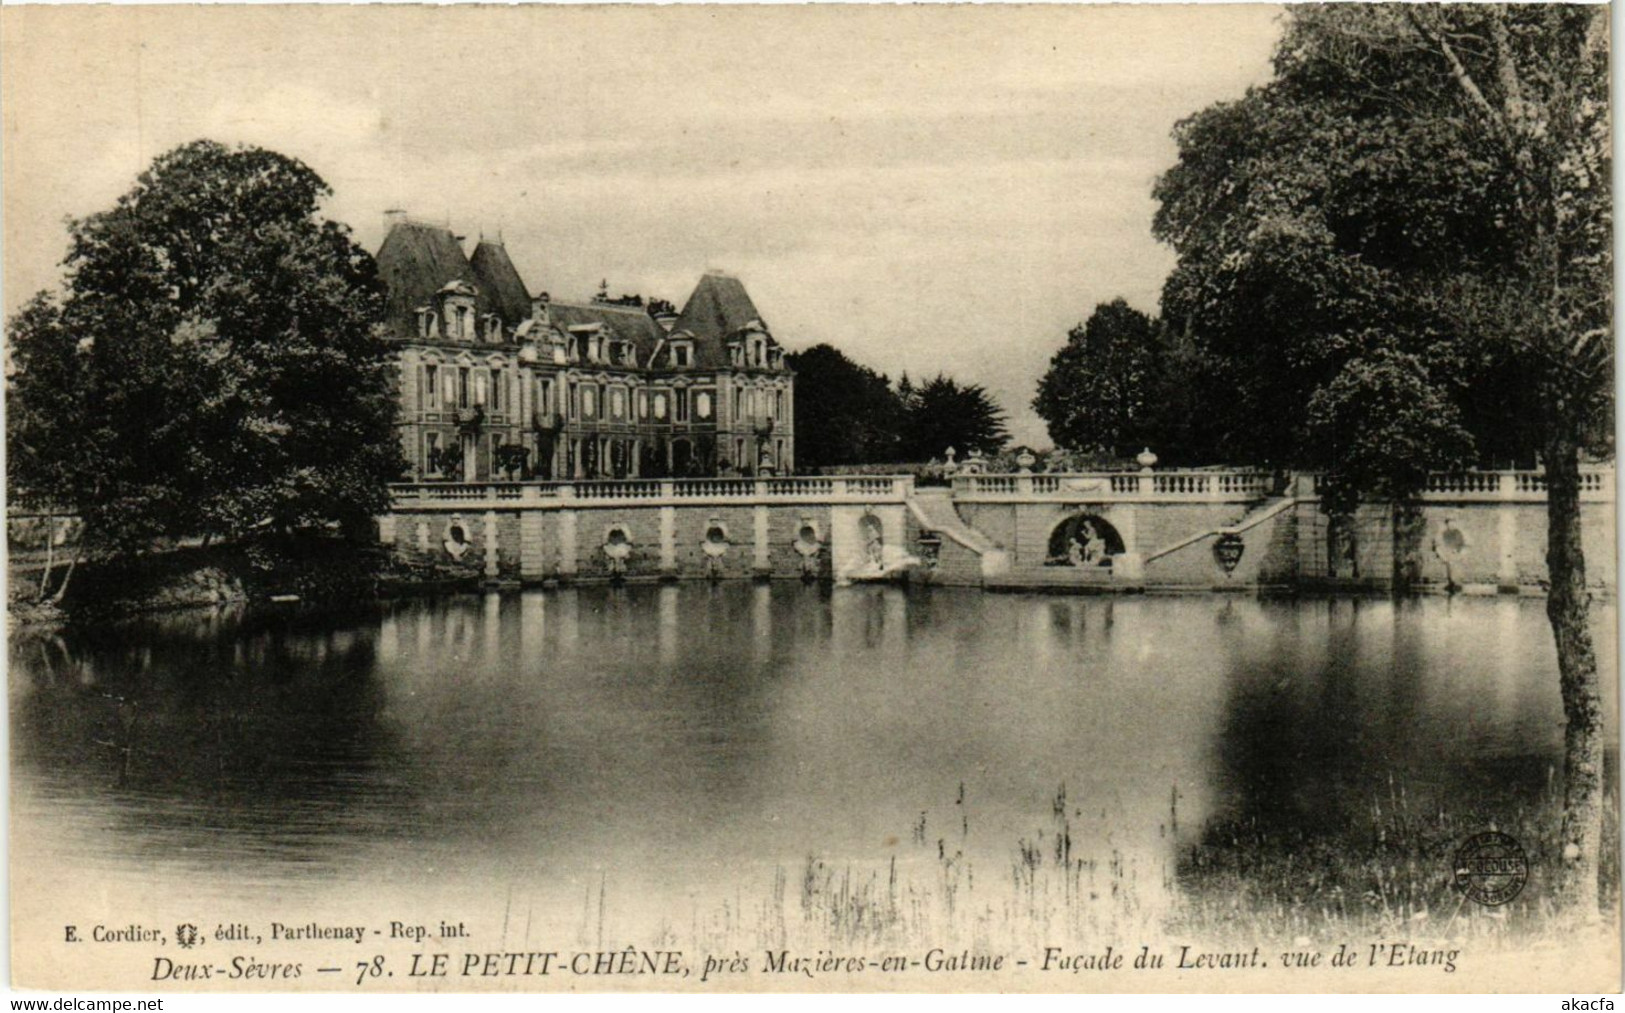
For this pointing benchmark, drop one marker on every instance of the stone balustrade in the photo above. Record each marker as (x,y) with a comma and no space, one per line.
(1596,486)
(655,492)
(1175,486)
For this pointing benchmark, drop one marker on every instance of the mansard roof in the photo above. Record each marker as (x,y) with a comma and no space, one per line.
(419,259)
(416,261)
(633,323)
(719,309)
(499,281)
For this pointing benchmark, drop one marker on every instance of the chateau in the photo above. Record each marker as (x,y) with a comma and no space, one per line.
(498,384)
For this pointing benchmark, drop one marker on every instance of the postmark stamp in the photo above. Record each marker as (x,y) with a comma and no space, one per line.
(1491,868)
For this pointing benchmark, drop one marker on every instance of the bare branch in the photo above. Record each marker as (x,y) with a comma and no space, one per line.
(1459,71)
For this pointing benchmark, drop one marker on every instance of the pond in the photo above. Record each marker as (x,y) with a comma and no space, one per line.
(599,759)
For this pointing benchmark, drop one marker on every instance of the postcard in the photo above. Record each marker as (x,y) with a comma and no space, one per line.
(825,498)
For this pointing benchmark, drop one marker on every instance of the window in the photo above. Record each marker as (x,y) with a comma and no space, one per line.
(778,404)
(544,396)
(589,401)
(739,404)
(462,386)
(575,400)
(482,388)
(499,390)
(448,387)
(680,354)
(702,405)
(680,407)
(660,406)
(617,403)
(429,391)
(431,453)
(643,404)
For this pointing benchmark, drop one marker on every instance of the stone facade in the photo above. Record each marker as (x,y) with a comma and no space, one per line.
(496,383)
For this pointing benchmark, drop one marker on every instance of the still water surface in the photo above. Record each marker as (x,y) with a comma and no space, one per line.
(673,742)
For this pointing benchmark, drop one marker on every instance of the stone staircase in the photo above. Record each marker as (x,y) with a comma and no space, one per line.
(934,510)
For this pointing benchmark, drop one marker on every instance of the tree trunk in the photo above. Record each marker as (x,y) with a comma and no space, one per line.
(1568,606)
(78,553)
(50,547)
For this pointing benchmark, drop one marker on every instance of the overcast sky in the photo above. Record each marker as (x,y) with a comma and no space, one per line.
(937,188)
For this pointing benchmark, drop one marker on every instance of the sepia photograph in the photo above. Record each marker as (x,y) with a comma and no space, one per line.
(1075,498)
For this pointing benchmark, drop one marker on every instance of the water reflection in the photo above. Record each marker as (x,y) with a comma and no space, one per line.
(686,734)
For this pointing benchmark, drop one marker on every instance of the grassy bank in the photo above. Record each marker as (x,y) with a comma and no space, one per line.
(1389,876)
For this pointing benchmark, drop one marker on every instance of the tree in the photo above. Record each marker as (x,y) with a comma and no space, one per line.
(45,419)
(844,413)
(228,373)
(1095,395)
(1417,209)
(943,414)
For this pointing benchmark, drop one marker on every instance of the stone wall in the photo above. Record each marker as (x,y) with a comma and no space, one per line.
(536,545)
(1473,542)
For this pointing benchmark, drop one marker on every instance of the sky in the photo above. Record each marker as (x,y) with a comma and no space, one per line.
(929,189)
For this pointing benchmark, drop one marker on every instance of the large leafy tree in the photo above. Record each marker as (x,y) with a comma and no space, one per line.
(214,363)
(1407,232)
(1097,394)
(845,413)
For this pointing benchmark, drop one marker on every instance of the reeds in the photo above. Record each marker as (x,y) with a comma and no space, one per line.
(1390,875)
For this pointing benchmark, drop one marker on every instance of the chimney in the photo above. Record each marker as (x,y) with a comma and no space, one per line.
(394,217)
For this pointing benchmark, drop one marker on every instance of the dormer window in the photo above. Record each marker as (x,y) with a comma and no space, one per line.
(682,354)
(493,329)
(456,302)
(426,323)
